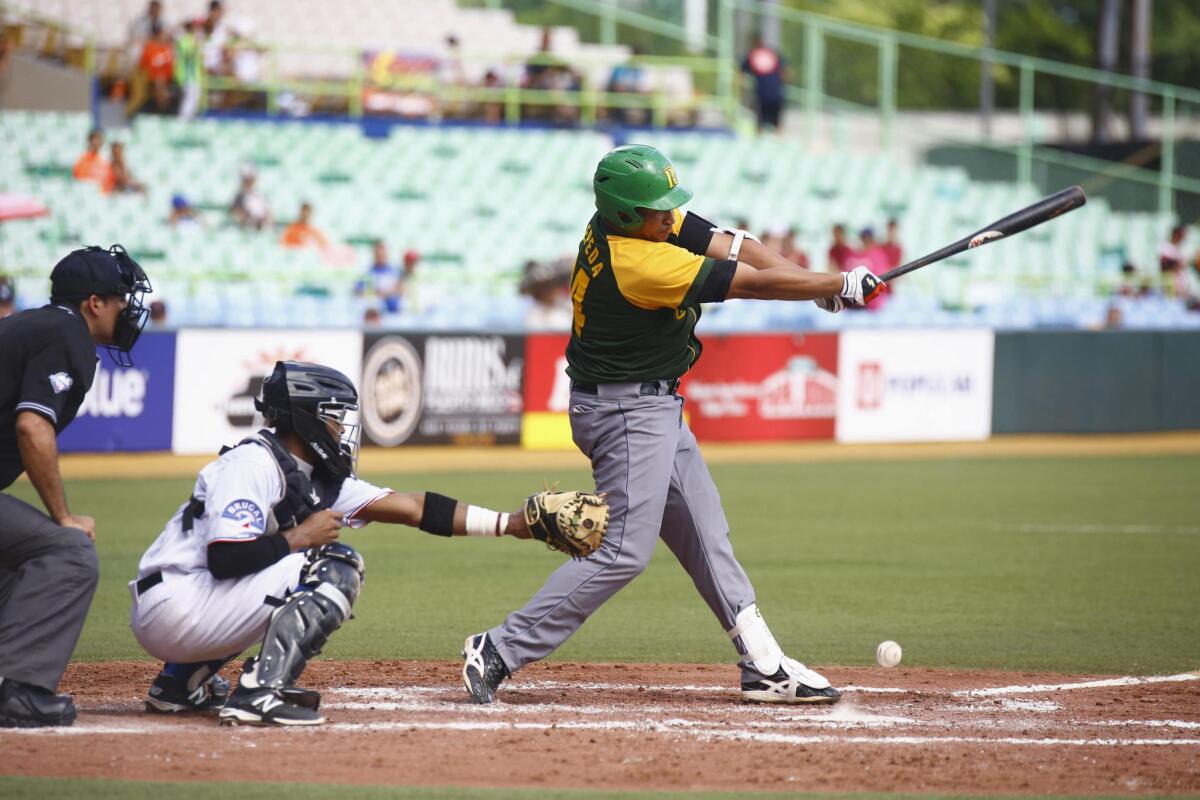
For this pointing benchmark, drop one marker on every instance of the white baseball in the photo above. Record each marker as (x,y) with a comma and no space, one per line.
(887,654)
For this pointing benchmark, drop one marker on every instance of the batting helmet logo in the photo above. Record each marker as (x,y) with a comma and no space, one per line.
(672,181)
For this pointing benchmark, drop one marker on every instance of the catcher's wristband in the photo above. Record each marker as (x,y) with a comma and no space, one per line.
(438,515)
(485,522)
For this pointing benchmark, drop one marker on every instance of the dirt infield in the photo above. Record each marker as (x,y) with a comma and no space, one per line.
(507,459)
(654,726)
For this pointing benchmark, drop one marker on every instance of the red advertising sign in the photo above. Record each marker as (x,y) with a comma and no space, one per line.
(546,385)
(758,387)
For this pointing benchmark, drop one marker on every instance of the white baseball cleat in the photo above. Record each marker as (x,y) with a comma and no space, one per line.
(793,684)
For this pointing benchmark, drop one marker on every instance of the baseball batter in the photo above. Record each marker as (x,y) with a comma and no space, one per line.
(642,272)
(254,553)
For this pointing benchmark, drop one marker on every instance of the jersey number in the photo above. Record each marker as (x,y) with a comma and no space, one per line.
(578,287)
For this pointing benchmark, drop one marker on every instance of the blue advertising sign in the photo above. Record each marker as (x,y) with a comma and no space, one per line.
(128,408)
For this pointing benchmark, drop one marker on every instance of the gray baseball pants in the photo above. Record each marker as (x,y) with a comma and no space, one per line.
(48,575)
(645,457)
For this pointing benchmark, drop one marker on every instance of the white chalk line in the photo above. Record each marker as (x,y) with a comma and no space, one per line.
(1097,684)
(590,687)
(689,728)
(1096,527)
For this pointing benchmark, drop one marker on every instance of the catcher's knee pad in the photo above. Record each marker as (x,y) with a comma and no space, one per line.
(300,627)
(337,564)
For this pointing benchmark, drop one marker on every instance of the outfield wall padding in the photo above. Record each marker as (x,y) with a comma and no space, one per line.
(1093,382)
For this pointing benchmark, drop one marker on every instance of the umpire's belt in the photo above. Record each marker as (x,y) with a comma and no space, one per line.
(610,390)
(149,582)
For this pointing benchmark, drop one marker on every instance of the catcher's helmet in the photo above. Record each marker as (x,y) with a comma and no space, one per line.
(318,404)
(106,273)
(632,177)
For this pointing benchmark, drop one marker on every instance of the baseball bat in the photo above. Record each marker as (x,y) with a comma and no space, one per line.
(1045,209)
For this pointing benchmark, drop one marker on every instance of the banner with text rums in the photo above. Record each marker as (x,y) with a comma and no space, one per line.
(442,388)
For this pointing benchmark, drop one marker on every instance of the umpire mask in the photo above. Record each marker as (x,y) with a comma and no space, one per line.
(318,404)
(106,273)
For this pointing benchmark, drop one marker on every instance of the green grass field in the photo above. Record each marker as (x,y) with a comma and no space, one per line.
(1063,564)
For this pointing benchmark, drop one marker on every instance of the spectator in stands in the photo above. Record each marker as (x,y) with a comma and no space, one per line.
(840,252)
(91,166)
(189,68)
(216,33)
(155,73)
(158,314)
(871,252)
(1170,252)
(141,29)
(8,297)
(372,318)
(493,112)
(1131,284)
(538,70)
(122,178)
(891,245)
(408,280)
(6,51)
(302,232)
(769,71)
(183,214)
(382,279)
(627,78)
(1113,318)
(549,286)
(792,251)
(249,208)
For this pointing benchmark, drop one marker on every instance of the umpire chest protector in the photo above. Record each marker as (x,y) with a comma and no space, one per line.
(302,496)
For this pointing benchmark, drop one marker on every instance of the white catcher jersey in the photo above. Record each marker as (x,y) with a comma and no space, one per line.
(239,490)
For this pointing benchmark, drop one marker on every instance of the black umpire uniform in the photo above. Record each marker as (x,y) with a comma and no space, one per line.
(48,571)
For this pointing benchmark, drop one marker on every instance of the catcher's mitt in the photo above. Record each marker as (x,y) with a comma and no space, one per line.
(571,522)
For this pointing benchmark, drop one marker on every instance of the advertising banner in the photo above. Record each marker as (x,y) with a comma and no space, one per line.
(545,425)
(219,373)
(761,387)
(128,408)
(914,385)
(442,388)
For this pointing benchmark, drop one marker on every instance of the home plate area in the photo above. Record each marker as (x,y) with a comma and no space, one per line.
(653,726)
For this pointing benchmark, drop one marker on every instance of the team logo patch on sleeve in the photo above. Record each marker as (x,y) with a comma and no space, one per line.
(246,514)
(60,382)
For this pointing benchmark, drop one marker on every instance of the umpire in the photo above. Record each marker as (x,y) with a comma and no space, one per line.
(48,568)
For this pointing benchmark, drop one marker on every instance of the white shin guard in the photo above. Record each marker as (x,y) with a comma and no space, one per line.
(755,642)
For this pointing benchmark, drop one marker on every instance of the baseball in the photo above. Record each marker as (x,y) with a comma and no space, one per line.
(887,654)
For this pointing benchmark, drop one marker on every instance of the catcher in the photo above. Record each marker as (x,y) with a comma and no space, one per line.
(254,554)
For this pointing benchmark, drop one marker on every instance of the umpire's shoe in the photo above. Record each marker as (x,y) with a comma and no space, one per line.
(793,684)
(169,695)
(23,705)
(483,669)
(262,705)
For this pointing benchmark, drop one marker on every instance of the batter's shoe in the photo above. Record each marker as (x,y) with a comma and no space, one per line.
(483,669)
(793,684)
(26,706)
(169,695)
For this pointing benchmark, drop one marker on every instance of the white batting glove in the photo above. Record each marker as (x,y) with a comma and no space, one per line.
(831,304)
(860,286)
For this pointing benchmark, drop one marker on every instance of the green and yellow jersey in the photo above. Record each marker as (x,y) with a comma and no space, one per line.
(637,302)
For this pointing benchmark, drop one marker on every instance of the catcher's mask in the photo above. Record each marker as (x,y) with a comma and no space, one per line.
(318,404)
(106,273)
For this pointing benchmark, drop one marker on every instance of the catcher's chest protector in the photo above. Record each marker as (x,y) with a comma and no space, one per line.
(301,496)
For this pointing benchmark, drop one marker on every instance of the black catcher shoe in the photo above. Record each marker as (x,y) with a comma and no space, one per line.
(483,669)
(252,704)
(168,695)
(794,683)
(26,706)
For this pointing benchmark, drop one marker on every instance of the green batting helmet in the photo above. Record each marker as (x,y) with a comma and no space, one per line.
(632,177)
